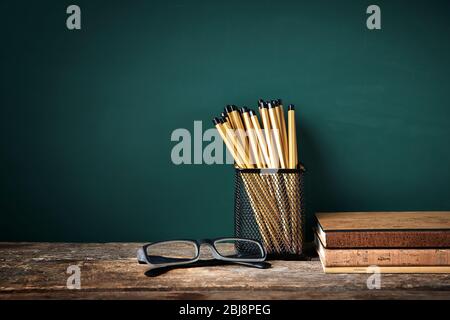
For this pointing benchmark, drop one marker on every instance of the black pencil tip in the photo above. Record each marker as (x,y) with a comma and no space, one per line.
(291,107)
(216,121)
(230,108)
(244,109)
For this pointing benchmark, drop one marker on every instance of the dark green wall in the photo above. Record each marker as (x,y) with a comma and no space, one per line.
(86,116)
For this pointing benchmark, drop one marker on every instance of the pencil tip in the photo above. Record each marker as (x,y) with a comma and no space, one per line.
(280,102)
(244,109)
(251,112)
(216,121)
(223,117)
(230,108)
(261,103)
(291,107)
(276,102)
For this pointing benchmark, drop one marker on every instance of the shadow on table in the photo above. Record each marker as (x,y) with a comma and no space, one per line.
(206,263)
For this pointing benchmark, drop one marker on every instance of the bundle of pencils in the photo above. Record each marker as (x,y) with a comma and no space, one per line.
(253,145)
(269,144)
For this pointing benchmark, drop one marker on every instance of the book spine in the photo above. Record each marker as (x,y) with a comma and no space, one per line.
(389,269)
(386,257)
(388,239)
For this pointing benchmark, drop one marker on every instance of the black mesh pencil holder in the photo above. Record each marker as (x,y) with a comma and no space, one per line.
(269,207)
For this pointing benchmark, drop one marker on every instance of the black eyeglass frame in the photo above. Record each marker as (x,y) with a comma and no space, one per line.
(142,256)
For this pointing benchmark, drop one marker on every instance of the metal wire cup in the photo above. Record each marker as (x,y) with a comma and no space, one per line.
(269,207)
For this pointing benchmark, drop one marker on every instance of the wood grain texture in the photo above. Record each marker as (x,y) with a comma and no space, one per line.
(385,239)
(382,257)
(419,220)
(110,271)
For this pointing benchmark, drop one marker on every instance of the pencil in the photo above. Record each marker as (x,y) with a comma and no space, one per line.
(219,124)
(260,136)
(255,152)
(275,123)
(293,156)
(284,137)
(226,118)
(234,139)
(267,133)
(293,164)
(234,117)
(239,130)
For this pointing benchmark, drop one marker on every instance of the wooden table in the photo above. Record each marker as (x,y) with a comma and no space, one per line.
(38,271)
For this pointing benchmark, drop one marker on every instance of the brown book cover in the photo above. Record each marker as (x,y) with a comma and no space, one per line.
(384,229)
(382,257)
(388,269)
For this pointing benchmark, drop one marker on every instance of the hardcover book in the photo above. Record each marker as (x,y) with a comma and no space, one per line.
(384,229)
(382,257)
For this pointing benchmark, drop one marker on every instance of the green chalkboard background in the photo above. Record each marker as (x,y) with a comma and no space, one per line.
(86,116)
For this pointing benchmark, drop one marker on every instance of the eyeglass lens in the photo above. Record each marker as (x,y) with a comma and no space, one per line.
(171,252)
(239,249)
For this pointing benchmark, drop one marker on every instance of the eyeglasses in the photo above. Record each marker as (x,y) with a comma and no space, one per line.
(182,252)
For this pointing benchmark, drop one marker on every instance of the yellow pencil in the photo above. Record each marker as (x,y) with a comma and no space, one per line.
(268,134)
(252,138)
(261,139)
(222,129)
(284,137)
(239,130)
(293,156)
(275,123)
(225,117)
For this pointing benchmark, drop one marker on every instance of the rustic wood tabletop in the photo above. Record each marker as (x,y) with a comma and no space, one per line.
(111,271)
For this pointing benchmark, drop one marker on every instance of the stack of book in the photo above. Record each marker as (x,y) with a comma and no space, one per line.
(392,242)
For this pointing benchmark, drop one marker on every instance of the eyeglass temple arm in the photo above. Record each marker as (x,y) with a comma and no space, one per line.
(259,265)
(141,256)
